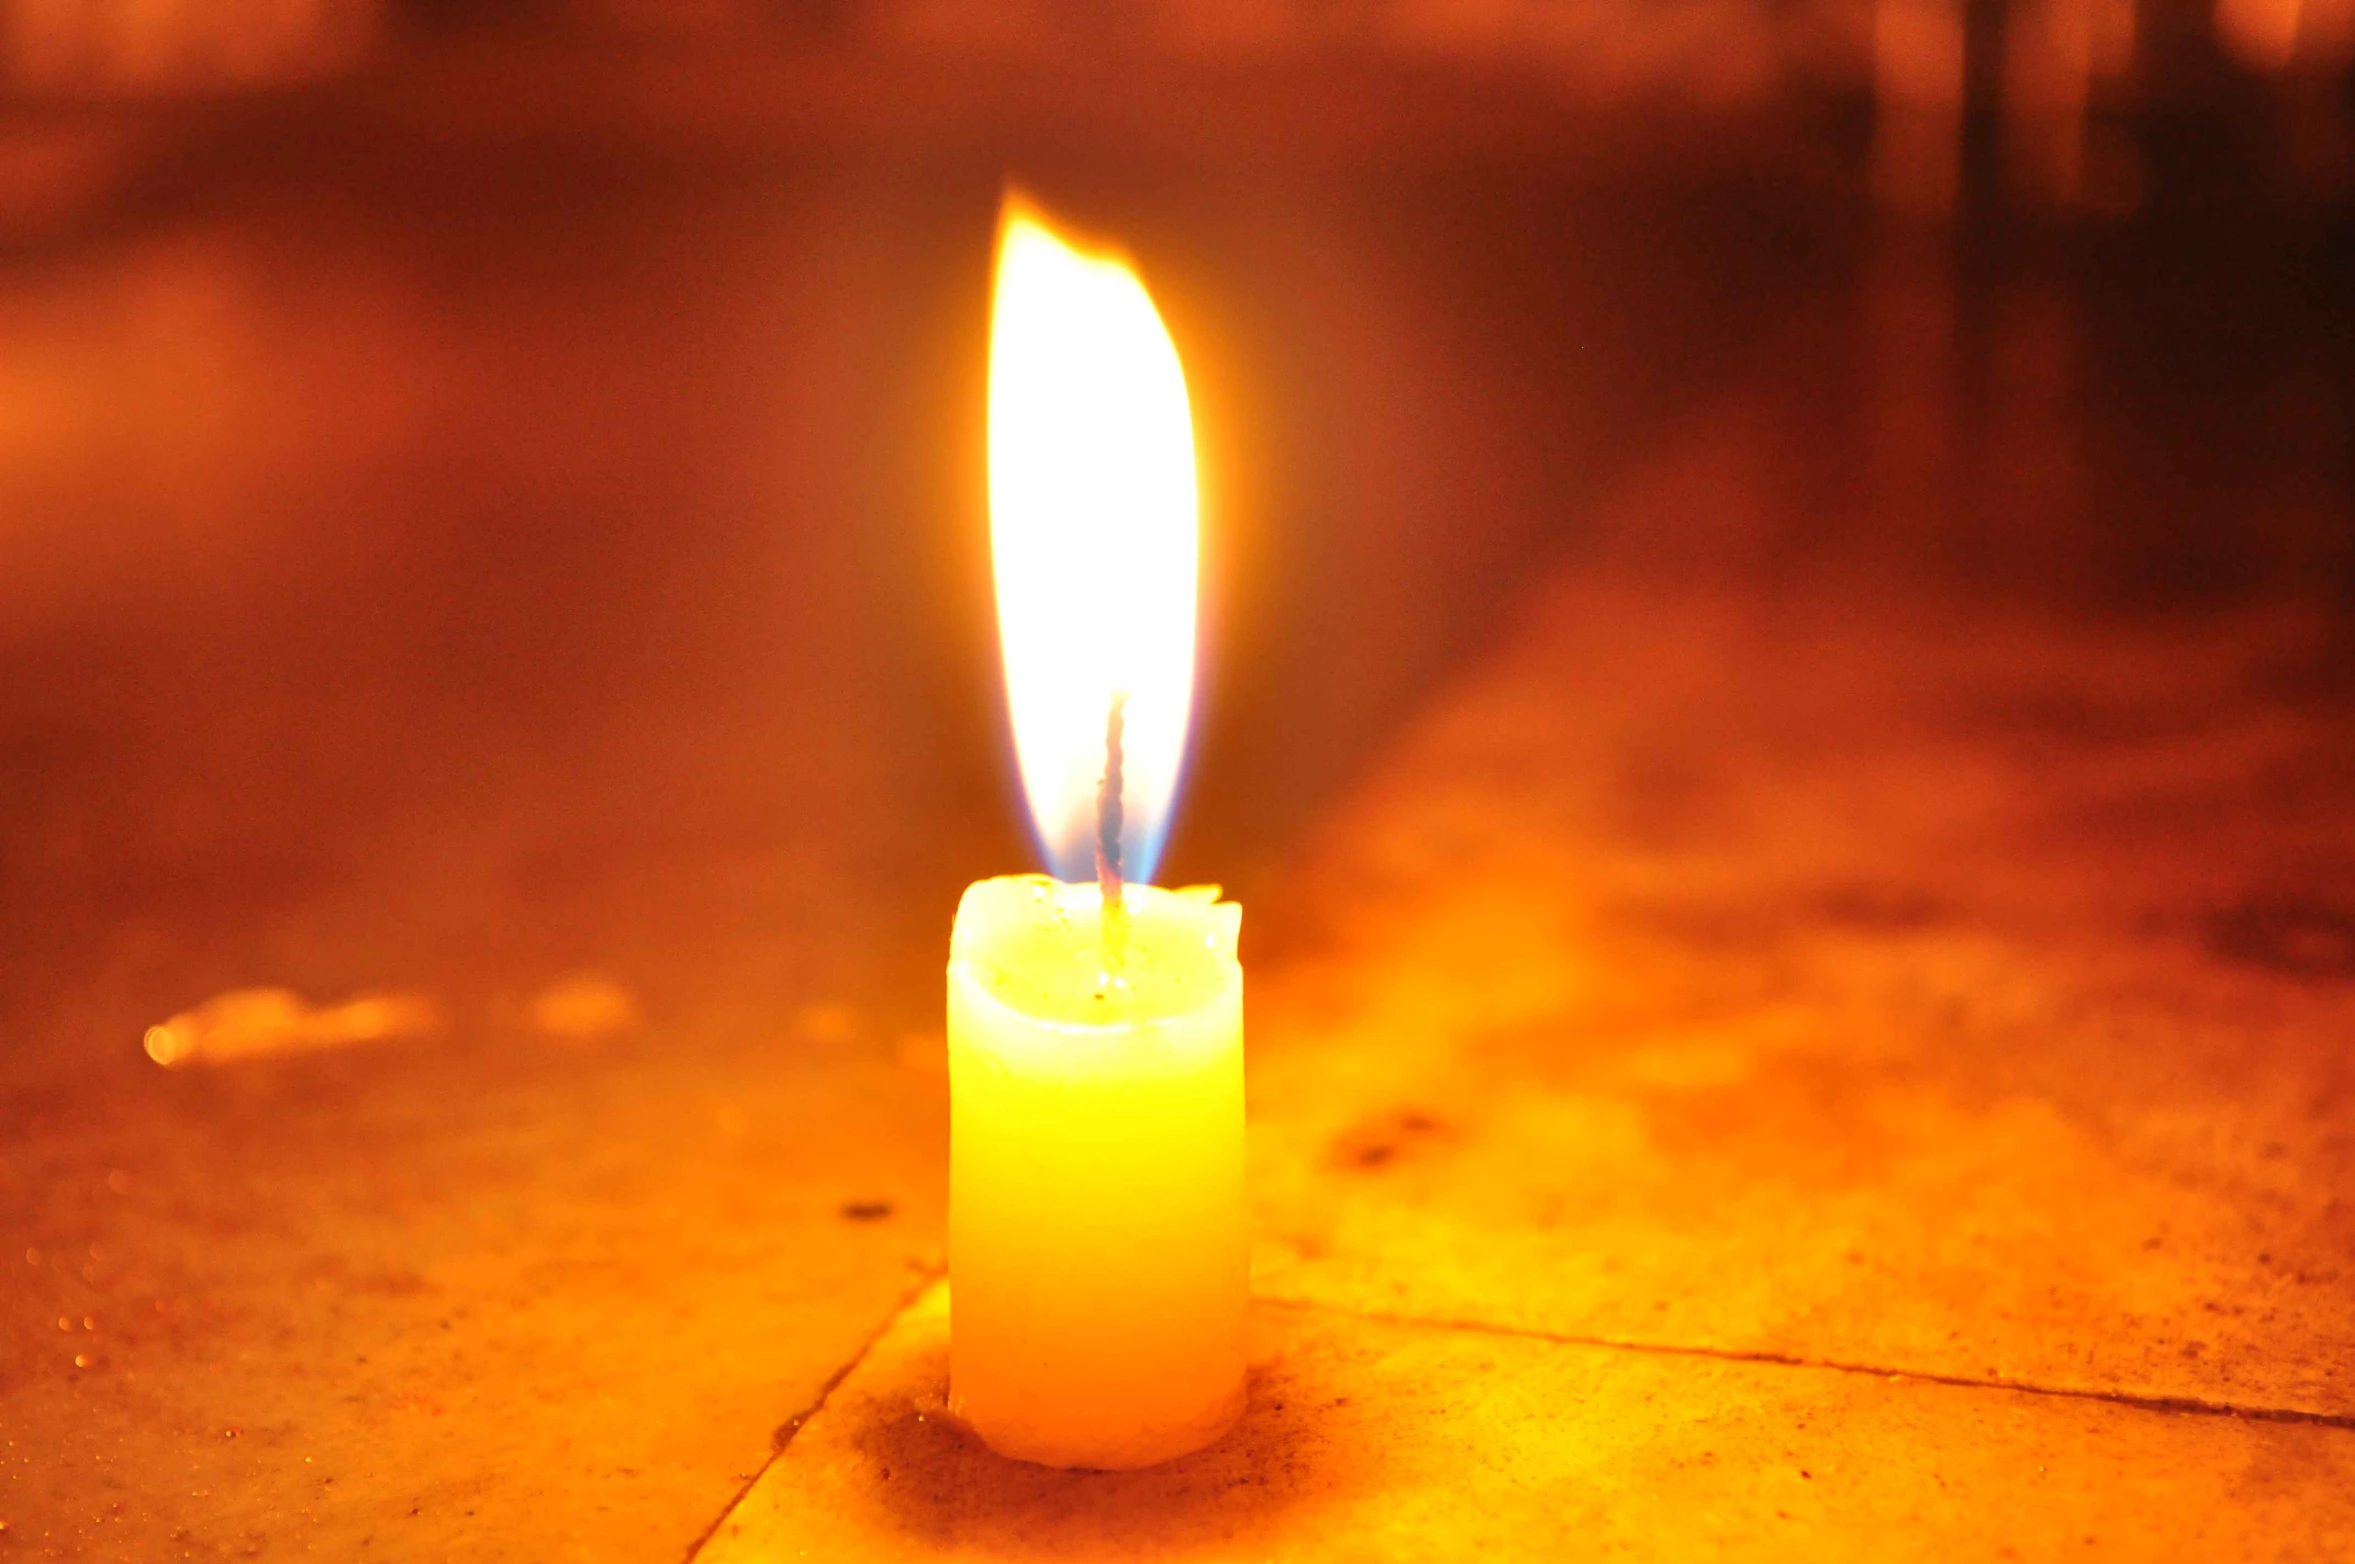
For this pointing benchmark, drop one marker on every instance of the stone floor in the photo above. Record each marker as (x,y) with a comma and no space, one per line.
(1378,1438)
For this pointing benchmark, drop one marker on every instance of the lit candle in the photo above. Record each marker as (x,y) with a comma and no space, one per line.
(1098,1242)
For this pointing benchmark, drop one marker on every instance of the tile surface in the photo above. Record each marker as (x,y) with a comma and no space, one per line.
(1843,977)
(1375,1440)
(432,1308)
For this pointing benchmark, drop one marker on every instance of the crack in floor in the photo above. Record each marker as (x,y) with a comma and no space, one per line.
(2191,1405)
(2185,1405)
(785,1431)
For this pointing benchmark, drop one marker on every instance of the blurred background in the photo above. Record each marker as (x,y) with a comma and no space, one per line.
(493,488)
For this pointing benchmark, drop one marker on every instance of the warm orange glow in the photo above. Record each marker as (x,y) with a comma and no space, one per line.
(252,1023)
(1094,536)
(583,1007)
(1917,94)
(2264,33)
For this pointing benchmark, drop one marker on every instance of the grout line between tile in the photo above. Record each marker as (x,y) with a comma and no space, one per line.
(783,1436)
(2189,1405)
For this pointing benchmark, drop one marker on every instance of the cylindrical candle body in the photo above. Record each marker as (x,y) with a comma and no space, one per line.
(1098,1236)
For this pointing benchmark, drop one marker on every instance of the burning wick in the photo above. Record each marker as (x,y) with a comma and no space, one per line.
(1108,842)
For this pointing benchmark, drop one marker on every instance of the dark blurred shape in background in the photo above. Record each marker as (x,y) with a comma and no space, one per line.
(2102,105)
(509,470)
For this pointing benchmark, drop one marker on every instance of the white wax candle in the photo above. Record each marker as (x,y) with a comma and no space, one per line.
(1098,1236)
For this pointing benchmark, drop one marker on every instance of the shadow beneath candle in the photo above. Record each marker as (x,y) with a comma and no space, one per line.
(937,1483)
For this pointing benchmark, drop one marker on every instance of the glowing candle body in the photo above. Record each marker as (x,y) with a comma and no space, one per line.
(1098,1235)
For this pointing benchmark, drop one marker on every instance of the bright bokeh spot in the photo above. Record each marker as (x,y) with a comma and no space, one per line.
(1094,538)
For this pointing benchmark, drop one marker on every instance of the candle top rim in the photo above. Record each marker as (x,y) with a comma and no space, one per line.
(1033,945)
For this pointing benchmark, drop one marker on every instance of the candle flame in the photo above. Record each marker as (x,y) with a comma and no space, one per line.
(1094,537)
